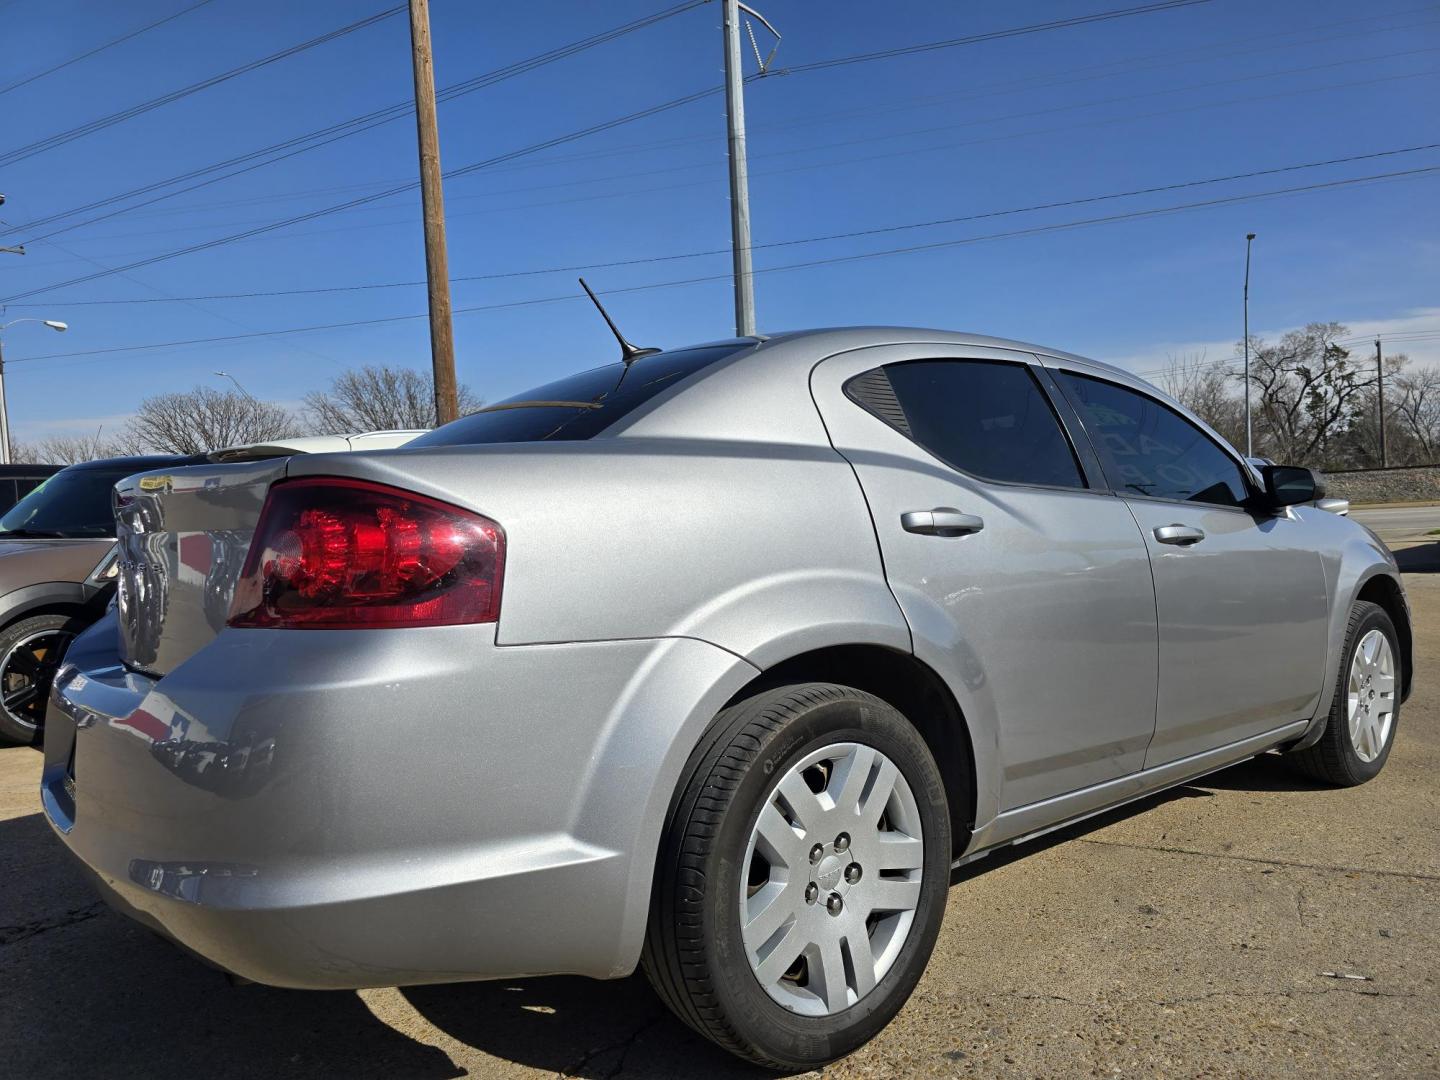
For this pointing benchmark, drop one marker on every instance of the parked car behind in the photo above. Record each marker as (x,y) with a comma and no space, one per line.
(57,565)
(57,572)
(17,481)
(715,662)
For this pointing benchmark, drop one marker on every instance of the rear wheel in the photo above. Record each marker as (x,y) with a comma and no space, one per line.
(30,654)
(802,877)
(1366,708)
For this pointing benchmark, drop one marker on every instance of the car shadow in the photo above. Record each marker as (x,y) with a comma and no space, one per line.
(84,991)
(1418,559)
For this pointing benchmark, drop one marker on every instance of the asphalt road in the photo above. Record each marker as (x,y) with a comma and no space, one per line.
(1401,523)
(1187,936)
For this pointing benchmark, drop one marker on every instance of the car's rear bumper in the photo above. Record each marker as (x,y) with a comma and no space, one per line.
(350,808)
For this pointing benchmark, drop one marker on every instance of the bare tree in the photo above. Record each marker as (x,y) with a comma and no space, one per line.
(1207,389)
(206,419)
(1307,395)
(71,449)
(378,398)
(1415,411)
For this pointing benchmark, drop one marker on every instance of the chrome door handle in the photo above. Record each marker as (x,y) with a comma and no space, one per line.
(1179,534)
(942,521)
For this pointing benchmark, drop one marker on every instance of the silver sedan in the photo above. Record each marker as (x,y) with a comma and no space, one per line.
(715,660)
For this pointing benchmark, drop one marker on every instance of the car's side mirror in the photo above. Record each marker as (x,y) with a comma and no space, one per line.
(1290,485)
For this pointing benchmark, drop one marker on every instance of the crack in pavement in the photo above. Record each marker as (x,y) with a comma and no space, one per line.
(9,935)
(623,1045)
(1413,874)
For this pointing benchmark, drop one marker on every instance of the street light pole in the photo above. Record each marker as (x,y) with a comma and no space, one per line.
(233,379)
(53,324)
(1249,433)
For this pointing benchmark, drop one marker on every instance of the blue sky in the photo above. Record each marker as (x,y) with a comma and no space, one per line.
(1211,90)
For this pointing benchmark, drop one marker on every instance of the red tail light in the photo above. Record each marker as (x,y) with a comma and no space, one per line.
(332,552)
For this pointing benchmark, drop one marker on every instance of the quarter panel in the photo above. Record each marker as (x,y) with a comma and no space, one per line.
(764,549)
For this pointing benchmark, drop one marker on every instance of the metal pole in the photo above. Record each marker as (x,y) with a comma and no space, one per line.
(437,269)
(739,176)
(4,412)
(1249,433)
(1380,384)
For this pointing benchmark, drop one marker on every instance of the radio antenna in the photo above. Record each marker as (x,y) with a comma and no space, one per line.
(628,353)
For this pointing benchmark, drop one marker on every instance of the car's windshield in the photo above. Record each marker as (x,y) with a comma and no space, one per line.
(72,503)
(577,406)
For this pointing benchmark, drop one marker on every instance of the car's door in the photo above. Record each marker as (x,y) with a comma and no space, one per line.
(1026,588)
(1241,598)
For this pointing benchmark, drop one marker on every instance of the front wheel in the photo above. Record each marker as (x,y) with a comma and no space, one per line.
(802,877)
(30,653)
(1365,712)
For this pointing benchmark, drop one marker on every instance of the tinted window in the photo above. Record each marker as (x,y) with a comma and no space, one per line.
(74,503)
(985,418)
(606,394)
(1149,449)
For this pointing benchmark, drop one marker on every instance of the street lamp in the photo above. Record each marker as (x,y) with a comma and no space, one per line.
(54,324)
(227,375)
(1249,435)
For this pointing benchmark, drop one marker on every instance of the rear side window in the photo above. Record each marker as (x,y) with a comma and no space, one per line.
(987,418)
(1149,449)
(577,406)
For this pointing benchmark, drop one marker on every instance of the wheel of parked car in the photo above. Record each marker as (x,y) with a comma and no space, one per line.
(802,876)
(1366,709)
(30,653)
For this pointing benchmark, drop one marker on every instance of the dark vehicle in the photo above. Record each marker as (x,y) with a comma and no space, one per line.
(17,481)
(57,573)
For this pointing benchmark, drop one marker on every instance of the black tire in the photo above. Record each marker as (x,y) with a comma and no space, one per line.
(1334,759)
(24,724)
(694,954)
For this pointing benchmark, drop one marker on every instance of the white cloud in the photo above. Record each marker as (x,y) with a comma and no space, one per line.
(1393,333)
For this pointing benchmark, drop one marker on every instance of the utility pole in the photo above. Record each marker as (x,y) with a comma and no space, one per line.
(739,175)
(432,200)
(1380,393)
(1249,434)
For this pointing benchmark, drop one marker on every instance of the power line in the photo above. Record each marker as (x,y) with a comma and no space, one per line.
(852,234)
(368,121)
(810,150)
(994,35)
(808,264)
(101,48)
(1129,65)
(300,144)
(50,142)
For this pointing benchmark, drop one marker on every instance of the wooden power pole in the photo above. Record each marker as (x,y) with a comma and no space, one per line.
(1380,394)
(432,200)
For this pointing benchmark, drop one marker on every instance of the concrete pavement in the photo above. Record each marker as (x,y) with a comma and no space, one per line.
(1186,936)
(1401,523)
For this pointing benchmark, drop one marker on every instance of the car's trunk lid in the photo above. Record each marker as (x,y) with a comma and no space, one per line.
(183,535)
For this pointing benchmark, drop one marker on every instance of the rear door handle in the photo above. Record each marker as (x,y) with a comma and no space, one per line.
(942,521)
(1179,534)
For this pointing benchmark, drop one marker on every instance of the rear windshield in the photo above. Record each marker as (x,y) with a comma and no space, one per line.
(599,397)
(73,503)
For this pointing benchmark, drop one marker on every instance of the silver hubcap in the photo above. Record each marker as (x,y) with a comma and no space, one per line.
(835,862)
(1371,695)
(25,674)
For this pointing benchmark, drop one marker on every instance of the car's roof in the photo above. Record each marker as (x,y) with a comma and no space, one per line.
(33,469)
(841,338)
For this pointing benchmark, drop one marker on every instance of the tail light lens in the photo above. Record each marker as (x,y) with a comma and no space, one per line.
(335,552)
